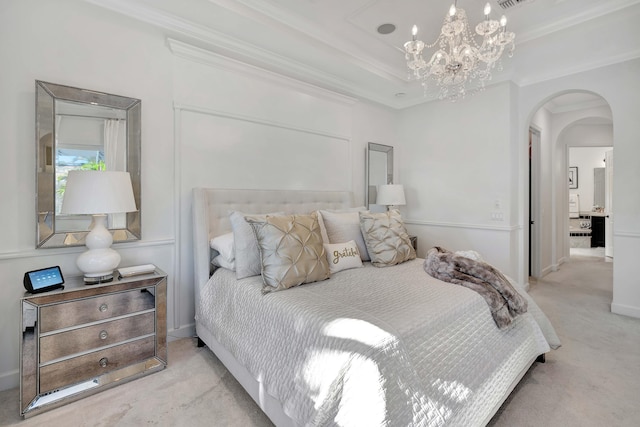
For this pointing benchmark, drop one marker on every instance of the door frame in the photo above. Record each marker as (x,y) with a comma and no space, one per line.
(535,226)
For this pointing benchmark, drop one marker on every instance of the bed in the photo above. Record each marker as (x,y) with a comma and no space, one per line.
(369,346)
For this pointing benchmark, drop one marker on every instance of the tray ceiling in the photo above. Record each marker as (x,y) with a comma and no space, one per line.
(335,44)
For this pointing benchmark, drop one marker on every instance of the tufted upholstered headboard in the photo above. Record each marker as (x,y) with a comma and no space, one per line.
(211,208)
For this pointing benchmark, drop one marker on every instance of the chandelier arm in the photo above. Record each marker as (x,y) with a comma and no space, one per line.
(461,58)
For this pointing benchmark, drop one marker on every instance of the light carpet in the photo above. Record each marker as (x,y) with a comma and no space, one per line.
(592,380)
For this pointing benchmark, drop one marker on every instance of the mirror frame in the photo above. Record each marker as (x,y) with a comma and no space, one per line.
(388,150)
(46,95)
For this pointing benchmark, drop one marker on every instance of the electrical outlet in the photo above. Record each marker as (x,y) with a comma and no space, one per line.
(497,216)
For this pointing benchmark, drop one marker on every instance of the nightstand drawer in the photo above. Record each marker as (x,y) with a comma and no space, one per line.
(85,339)
(103,307)
(91,365)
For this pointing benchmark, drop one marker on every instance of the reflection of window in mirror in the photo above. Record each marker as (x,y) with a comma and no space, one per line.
(93,138)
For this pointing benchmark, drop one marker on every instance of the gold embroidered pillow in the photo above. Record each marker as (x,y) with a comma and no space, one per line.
(386,238)
(342,256)
(291,250)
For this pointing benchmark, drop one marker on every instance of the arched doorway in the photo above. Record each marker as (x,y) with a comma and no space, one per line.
(564,120)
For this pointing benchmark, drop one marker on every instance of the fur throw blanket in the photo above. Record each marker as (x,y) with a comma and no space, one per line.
(504,301)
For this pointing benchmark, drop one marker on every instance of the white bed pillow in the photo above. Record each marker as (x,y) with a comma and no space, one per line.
(247,254)
(223,244)
(323,229)
(344,226)
(221,261)
(342,256)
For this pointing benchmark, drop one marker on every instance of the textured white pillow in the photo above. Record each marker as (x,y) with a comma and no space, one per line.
(342,256)
(220,261)
(224,245)
(247,254)
(344,226)
(323,229)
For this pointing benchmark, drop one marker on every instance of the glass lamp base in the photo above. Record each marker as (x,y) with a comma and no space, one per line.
(94,280)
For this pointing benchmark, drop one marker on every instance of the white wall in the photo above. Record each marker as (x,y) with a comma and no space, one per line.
(546,224)
(458,159)
(618,84)
(75,43)
(558,132)
(456,163)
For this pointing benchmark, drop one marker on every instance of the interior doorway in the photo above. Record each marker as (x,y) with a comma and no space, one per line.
(591,202)
(534,202)
(566,120)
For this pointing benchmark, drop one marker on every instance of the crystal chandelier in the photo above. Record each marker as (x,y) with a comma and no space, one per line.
(460,60)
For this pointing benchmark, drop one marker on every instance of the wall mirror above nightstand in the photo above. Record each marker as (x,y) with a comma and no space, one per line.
(378,170)
(83,129)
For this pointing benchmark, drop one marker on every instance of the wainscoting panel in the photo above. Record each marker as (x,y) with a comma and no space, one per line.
(227,150)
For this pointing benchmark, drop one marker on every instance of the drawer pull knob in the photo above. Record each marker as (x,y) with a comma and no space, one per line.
(103,335)
(103,307)
(104,362)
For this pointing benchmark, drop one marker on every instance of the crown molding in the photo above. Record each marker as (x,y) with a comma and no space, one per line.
(241,51)
(207,57)
(216,46)
(268,13)
(627,56)
(605,8)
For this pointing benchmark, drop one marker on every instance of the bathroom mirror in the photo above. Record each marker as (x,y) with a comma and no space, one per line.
(379,170)
(83,129)
(599,186)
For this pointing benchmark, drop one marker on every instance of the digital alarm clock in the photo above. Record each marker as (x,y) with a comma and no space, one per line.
(43,280)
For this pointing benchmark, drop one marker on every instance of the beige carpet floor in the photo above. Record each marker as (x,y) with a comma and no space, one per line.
(592,380)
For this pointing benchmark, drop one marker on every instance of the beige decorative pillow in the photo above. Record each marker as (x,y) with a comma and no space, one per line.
(386,238)
(291,250)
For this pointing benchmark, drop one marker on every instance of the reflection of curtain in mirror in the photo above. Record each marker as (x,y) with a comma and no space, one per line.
(115,145)
(115,152)
(59,195)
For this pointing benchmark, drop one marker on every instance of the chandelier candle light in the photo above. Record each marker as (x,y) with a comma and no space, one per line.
(460,58)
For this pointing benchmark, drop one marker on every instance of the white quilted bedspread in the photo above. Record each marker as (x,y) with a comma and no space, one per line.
(374,346)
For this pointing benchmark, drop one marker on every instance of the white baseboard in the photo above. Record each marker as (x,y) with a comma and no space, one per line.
(625,310)
(185,331)
(9,380)
(548,270)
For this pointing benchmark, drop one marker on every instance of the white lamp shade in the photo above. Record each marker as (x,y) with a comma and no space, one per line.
(391,194)
(98,192)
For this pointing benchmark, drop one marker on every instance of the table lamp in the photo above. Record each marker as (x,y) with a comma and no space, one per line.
(391,195)
(98,193)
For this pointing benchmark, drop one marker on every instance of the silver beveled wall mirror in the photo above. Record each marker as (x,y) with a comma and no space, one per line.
(379,170)
(83,129)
